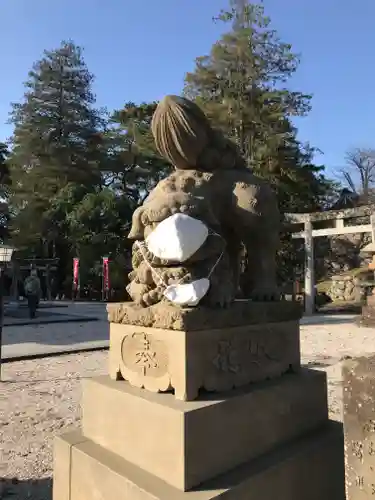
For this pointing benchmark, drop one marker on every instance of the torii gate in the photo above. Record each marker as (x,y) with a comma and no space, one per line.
(309,233)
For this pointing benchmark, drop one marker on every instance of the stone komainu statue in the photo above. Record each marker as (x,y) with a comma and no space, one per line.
(211,183)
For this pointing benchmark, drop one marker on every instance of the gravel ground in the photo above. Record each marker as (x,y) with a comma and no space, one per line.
(41,398)
(326,346)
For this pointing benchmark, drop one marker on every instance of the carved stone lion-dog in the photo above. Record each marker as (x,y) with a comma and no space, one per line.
(210,173)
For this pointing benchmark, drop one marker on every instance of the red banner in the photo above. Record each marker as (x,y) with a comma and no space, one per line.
(105,273)
(75,273)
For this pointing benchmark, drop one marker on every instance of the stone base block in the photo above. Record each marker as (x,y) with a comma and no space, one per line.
(359,424)
(309,469)
(165,315)
(187,443)
(160,360)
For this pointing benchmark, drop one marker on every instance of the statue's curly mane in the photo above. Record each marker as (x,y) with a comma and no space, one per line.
(183,136)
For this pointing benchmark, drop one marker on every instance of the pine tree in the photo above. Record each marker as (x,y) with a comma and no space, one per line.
(241,85)
(88,224)
(133,166)
(5,181)
(56,134)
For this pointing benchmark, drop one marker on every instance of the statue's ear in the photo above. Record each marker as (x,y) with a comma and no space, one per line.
(137,229)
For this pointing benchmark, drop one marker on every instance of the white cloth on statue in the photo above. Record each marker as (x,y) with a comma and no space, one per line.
(187,294)
(177,238)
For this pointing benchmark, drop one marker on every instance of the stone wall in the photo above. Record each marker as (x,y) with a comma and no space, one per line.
(339,254)
(344,288)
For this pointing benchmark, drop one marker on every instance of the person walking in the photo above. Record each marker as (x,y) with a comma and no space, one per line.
(33,292)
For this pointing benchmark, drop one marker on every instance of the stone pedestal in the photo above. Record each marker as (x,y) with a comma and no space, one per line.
(204,412)
(161,360)
(180,352)
(359,426)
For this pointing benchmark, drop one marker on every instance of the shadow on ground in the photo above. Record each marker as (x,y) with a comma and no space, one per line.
(32,489)
(20,317)
(76,333)
(38,381)
(323,319)
(341,308)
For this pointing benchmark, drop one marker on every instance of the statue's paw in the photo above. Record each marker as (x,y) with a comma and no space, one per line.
(265,294)
(221,298)
(152,297)
(136,291)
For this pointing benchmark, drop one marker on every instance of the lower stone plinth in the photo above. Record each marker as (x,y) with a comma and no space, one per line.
(162,360)
(309,469)
(187,443)
(359,424)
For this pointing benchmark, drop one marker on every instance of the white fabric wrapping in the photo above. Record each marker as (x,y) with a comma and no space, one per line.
(177,237)
(188,294)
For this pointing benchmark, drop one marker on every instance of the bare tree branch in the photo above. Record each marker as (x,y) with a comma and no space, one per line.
(359,173)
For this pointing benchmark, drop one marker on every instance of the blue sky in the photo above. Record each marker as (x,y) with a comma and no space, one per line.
(139,50)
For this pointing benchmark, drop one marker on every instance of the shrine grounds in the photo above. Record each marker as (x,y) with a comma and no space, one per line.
(40,398)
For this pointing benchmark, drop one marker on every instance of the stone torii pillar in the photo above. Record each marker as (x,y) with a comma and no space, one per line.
(339,228)
(309,269)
